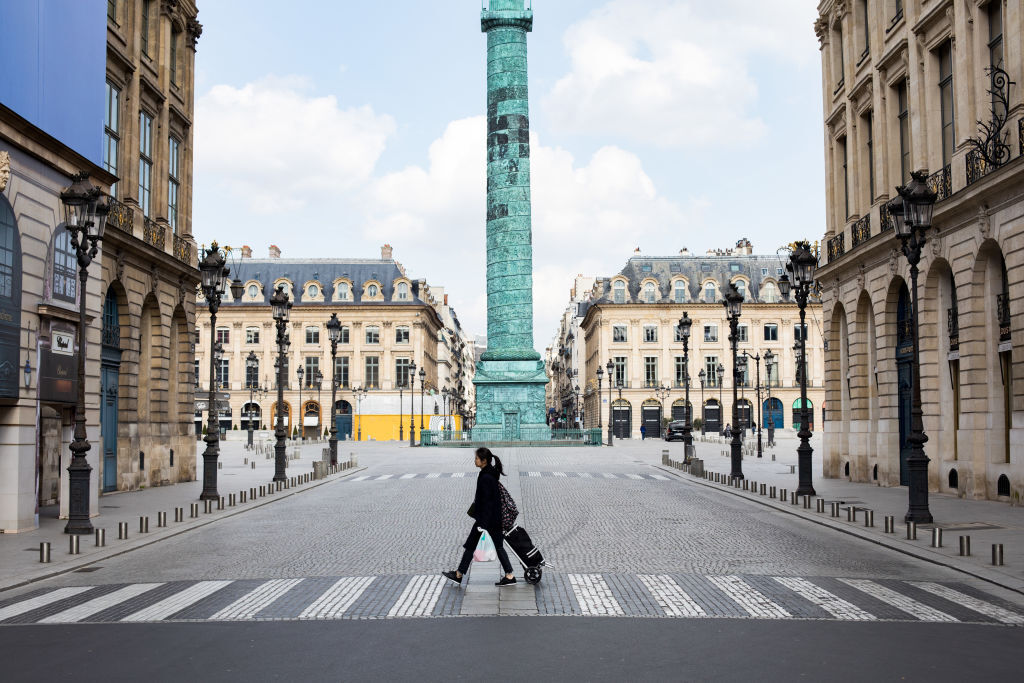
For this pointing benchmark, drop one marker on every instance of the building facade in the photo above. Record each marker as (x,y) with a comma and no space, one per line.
(390,322)
(564,358)
(904,85)
(631,319)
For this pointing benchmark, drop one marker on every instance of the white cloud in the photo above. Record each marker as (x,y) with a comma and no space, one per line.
(669,72)
(277,147)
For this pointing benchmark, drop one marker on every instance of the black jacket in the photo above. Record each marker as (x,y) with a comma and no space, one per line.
(487,502)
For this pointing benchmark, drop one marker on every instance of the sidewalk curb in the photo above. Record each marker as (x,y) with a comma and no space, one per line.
(198,525)
(851,531)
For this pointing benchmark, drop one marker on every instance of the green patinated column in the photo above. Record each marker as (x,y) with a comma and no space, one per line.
(510,378)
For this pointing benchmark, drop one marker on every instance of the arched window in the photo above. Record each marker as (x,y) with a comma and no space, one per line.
(312,291)
(620,292)
(649,296)
(64,266)
(8,237)
(769,293)
(680,291)
(111,322)
(709,292)
(343,291)
(254,291)
(403,291)
(372,290)
(741,287)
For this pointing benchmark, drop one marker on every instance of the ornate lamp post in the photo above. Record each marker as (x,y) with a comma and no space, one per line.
(280,305)
(610,367)
(251,364)
(684,331)
(802,264)
(757,366)
(769,358)
(85,218)
(359,394)
(701,375)
(721,404)
(412,404)
(401,406)
(733,303)
(301,372)
(318,378)
(912,213)
(423,382)
(214,281)
(334,334)
(600,375)
(576,405)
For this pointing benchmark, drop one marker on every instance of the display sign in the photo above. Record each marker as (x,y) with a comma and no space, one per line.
(63,343)
(58,376)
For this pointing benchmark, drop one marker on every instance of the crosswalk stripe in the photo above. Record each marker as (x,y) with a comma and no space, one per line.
(97,605)
(419,597)
(833,604)
(594,596)
(750,599)
(558,474)
(634,476)
(659,477)
(433,475)
(384,476)
(365,476)
(337,598)
(673,599)
(534,474)
(407,476)
(255,600)
(970,602)
(177,602)
(24,606)
(458,475)
(899,601)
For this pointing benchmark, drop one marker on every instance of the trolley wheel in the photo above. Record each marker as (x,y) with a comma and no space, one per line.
(533,575)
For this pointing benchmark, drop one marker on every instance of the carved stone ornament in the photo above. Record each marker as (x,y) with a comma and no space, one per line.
(821,30)
(936,246)
(182,290)
(984,222)
(5,170)
(119,265)
(893,255)
(154,278)
(860,277)
(194,30)
(835,289)
(267,324)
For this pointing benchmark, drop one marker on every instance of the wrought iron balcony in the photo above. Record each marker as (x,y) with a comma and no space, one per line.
(895,19)
(182,249)
(121,216)
(886,218)
(154,234)
(941,183)
(1003,316)
(953,327)
(861,231)
(836,247)
(977,166)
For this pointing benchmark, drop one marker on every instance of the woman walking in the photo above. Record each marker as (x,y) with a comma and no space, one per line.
(486,514)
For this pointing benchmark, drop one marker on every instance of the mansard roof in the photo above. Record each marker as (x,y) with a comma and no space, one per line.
(326,271)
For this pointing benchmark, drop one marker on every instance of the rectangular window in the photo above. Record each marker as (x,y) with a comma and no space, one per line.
(175,36)
(772,371)
(112,10)
(344,338)
(252,335)
(995,33)
(678,333)
(651,371)
(745,375)
(223,335)
(312,335)
(865,22)
(903,115)
(252,376)
(402,368)
(711,370)
(680,371)
(372,375)
(65,264)
(771,332)
(312,367)
(402,335)
(111,132)
(618,333)
(373,334)
(945,55)
(846,183)
(799,332)
(222,373)
(871,156)
(341,371)
(711,333)
(144,27)
(145,162)
(197,373)
(650,333)
(173,161)
(619,371)
(742,334)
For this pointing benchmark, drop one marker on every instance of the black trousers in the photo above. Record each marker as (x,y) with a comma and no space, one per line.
(470,545)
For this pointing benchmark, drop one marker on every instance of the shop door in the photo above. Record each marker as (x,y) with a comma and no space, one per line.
(108,425)
(622,421)
(712,418)
(652,421)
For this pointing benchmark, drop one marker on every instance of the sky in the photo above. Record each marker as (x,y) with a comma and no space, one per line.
(337,126)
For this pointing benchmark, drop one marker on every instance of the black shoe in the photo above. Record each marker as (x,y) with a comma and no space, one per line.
(505,581)
(452,576)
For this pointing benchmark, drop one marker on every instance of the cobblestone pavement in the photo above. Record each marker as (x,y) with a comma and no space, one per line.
(628,540)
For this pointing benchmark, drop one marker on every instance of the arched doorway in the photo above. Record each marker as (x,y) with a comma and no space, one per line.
(712,416)
(622,419)
(251,412)
(343,420)
(904,378)
(772,413)
(796,414)
(311,420)
(743,411)
(680,408)
(650,414)
(110,371)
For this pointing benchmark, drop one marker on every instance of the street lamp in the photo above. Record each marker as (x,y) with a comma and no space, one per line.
(757,366)
(685,323)
(733,303)
(301,372)
(334,334)
(802,264)
(610,367)
(85,217)
(412,404)
(423,382)
(401,431)
(721,404)
(769,358)
(318,378)
(359,394)
(600,375)
(912,213)
(214,282)
(701,375)
(576,405)
(252,363)
(279,306)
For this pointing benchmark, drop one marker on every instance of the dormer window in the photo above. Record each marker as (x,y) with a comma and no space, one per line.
(709,292)
(679,291)
(312,291)
(741,287)
(254,291)
(402,292)
(769,293)
(649,295)
(372,291)
(619,292)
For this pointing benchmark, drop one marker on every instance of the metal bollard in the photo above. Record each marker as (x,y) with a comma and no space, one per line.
(764,489)
(179,514)
(783,495)
(122,531)
(936,537)
(231,500)
(101,538)
(997,554)
(252,493)
(746,485)
(835,509)
(869,518)
(851,514)
(820,505)
(772,494)
(161,519)
(263,491)
(44,551)
(965,546)
(794,499)
(253,464)
(73,544)
(241,496)
(911,531)
(207,507)
(193,510)
(280,485)
(143,525)
(890,524)
(245,461)
(220,466)
(220,502)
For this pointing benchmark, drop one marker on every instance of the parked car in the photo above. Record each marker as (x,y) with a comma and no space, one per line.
(675,430)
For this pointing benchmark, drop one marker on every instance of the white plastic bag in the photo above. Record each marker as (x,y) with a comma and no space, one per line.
(485,551)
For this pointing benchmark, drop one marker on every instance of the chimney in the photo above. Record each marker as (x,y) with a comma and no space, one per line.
(246,251)
(385,252)
(275,252)
(684,252)
(445,299)
(637,250)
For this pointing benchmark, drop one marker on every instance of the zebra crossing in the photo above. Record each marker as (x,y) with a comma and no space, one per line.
(609,595)
(634,476)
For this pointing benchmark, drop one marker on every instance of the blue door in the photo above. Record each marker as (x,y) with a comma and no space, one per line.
(108,425)
(772,412)
(343,420)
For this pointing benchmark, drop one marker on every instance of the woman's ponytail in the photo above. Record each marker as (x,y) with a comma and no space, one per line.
(496,461)
(491,459)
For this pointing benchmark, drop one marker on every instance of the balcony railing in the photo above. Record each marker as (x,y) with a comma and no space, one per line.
(1003,315)
(120,216)
(941,183)
(182,249)
(836,247)
(154,234)
(861,231)
(953,327)
(977,166)
(895,19)
(886,218)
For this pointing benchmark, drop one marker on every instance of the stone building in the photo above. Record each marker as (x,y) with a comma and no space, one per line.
(631,320)
(389,321)
(904,85)
(138,295)
(563,358)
